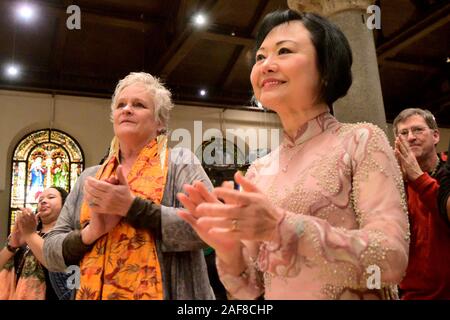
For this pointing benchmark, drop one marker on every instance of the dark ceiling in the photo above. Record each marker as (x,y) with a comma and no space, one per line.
(158,36)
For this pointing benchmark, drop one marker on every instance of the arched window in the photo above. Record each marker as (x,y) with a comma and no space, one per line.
(220,159)
(42,159)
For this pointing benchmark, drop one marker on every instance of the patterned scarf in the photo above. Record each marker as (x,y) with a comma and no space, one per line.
(31,279)
(123,263)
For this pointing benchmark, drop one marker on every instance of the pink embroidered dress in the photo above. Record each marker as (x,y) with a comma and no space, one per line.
(345,232)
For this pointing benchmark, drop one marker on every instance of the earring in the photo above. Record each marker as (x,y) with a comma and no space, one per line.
(257,104)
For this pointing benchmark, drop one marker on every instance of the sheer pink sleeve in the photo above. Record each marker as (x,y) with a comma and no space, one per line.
(348,257)
(249,284)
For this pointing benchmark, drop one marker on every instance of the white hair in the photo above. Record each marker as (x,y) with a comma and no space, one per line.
(161,95)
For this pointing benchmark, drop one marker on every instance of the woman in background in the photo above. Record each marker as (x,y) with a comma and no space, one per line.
(24,275)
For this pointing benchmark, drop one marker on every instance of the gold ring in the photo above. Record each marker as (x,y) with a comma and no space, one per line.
(234,224)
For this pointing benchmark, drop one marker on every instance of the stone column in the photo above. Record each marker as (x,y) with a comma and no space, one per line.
(364,100)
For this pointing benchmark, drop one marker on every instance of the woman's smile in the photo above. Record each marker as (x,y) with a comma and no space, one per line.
(271,83)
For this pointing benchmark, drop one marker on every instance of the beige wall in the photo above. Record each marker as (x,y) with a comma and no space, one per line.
(87,120)
(227,122)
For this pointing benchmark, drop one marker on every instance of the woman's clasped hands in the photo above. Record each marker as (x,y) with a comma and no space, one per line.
(109,201)
(241,215)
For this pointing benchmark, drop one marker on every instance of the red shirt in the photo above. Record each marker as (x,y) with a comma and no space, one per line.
(428,272)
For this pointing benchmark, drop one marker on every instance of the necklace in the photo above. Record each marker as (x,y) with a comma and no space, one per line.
(294,150)
(436,167)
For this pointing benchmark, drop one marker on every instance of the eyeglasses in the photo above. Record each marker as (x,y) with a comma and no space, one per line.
(416,131)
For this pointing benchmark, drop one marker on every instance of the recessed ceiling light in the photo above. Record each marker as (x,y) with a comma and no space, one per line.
(25,12)
(12,71)
(200,19)
(203,92)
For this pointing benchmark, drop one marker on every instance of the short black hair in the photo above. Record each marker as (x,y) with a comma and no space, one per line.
(334,56)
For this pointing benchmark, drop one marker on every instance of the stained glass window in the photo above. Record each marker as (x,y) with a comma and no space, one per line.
(42,159)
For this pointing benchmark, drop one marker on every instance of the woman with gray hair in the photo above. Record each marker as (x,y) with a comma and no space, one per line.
(119,224)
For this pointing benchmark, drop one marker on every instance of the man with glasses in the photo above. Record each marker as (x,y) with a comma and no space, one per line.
(428,272)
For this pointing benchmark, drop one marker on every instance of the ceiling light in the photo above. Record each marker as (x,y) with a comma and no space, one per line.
(25,12)
(12,71)
(203,92)
(200,19)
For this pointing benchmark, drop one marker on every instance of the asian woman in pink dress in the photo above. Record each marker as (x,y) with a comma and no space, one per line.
(323,216)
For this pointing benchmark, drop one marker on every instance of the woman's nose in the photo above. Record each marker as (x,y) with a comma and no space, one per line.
(269,65)
(127,108)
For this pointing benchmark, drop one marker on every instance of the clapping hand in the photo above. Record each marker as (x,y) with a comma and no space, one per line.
(107,202)
(16,239)
(111,196)
(408,163)
(198,194)
(27,222)
(247,214)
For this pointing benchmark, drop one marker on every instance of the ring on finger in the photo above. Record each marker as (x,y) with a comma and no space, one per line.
(234,225)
